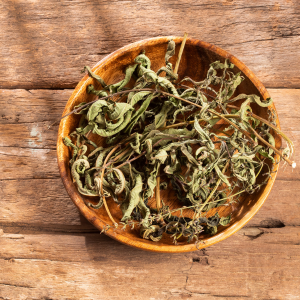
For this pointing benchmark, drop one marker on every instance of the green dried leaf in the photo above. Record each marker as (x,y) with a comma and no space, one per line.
(106,133)
(225,220)
(213,221)
(135,197)
(93,75)
(143,60)
(188,155)
(83,164)
(213,230)
(267,155)
(138,97)
(161,117)
(168,71)
(271,140)
(203,135)
(117,87)
(161,155)
(119,110)
(170,50)
(222,176)
(137,114)
(100,94)
(96,108)
(135,145)
(151,181)
(256,99)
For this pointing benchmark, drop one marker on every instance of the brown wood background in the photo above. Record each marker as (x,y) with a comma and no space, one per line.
(46,253)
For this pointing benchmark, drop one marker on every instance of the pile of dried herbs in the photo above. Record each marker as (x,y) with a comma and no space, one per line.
(165,129)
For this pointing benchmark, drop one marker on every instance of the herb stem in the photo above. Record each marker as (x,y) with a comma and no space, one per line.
(130,160)
(193,206)
(275,128)
(180,53)
(157,190)
(192,122)
(291,163)
(101,185)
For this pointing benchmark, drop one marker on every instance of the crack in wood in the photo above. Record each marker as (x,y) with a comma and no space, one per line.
(262,40)
(41,259)
(230,296)
(17,285)
(31,178)
(33,148)
(14,228)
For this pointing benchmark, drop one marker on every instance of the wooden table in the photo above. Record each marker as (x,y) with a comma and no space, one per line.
(47,250)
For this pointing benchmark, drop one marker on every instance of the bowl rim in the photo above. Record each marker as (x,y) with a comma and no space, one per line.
(141,244)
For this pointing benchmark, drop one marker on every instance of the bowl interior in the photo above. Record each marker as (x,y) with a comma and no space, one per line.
(195,62)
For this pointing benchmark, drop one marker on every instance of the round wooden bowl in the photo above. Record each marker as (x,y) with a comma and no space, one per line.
(197,56)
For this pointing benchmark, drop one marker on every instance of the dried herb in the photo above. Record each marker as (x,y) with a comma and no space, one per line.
(169,130)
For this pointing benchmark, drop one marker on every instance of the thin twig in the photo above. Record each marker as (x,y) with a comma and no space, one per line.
(157,190)
(101,184)
(180,53)
(192,122)
(130,160)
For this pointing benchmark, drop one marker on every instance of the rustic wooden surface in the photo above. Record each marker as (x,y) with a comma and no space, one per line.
(46,253)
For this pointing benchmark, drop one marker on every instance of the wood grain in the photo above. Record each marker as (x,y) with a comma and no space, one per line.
(48,202)
(32,106)
(263,264)
(27,163)
(67,35)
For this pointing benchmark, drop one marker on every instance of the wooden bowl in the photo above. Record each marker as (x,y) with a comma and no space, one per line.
(197,56)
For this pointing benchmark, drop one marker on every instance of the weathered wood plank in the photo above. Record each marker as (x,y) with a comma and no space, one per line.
(45,203)
(31,106)
(28,135)
(27,163)
(37,201)
(46,44)
(20,106)
(25,117)
(83,266)
(41,192)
